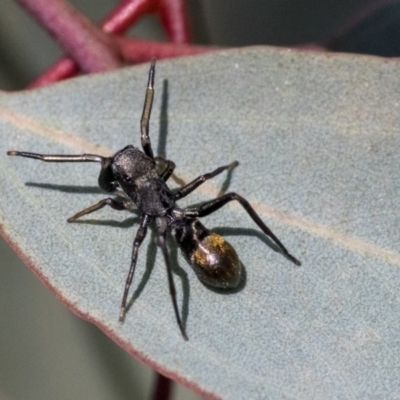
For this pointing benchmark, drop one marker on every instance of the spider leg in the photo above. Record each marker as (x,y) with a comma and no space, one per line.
(59,157)
(148,102)
(106,178)
(187,189)
(161,235)
(140,235)
(216,204)
(116,205)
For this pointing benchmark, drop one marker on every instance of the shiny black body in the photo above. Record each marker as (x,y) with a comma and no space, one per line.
(132,176)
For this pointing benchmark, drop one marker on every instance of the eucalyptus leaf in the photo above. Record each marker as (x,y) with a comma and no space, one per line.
(317,139)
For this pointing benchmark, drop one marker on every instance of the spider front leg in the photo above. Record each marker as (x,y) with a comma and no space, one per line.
(58,157)
(106,179)
(140,235)
(145,120)
(216,204)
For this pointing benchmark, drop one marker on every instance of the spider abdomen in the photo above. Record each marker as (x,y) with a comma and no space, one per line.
(216,263)
(213,259)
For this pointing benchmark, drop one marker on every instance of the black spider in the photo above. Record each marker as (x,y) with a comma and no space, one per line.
(131,175)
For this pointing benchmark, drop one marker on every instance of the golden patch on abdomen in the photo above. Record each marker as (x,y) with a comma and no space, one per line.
(216,263)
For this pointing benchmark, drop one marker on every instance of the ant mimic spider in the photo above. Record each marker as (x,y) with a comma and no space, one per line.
(131,175)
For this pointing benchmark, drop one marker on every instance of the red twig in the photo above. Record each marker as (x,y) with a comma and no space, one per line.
(88,46)
(174,18)
(64,69)
(127,13)
(162,389)
(137,51)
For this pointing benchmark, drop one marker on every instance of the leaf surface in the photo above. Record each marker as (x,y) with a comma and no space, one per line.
(317,139)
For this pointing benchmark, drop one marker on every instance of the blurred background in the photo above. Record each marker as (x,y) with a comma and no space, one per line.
(46,352)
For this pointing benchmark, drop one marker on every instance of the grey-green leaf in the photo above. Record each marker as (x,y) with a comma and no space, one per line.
(317,139)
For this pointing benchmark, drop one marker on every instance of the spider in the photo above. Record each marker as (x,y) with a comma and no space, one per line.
(131,175)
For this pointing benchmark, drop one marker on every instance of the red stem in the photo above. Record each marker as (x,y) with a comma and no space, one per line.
(64,69)
(131,50)
(87,45)
(162,388)
(127,13)
(137,51)
(175,20)
(122,18)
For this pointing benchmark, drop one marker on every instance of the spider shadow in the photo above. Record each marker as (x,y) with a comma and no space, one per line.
(163,122)
(67,188)
(126,223)
(176,269)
